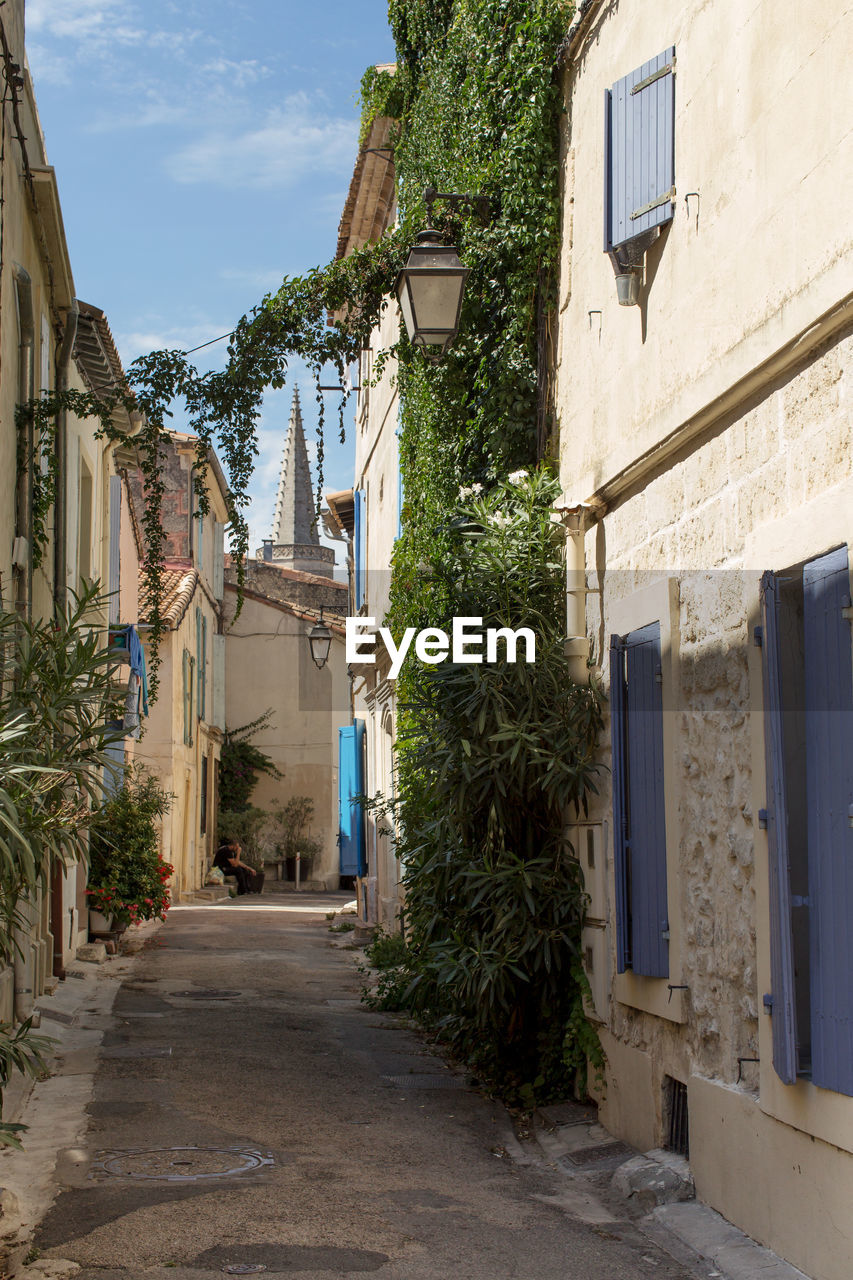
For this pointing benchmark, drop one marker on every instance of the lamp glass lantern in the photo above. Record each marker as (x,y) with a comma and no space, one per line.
(320,641)
(430,289)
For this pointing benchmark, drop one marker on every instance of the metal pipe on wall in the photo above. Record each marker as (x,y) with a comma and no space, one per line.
(26,374)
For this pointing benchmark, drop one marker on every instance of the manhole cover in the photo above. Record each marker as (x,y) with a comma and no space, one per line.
(244,1269)
(415,1081)
(181,1164)
(206,994)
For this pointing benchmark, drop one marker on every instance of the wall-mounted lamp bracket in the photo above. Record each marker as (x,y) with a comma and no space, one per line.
(457,201)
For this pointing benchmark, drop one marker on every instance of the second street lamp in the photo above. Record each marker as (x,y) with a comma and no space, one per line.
(320,640)
(429,290)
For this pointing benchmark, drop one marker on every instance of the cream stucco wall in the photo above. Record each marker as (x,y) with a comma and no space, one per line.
(376,471)
(710,429)
(269,667)
(763,252)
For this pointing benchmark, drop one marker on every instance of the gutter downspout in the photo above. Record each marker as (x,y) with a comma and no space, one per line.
(60,504)
(576,520)
(26,369)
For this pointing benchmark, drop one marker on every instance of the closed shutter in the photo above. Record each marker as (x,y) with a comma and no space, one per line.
(350,785)
(639,180)
(782,1001)
(218,655)
(829,776)
(620,805)
(201,648)
(646,813)
(218,560)
(114,549)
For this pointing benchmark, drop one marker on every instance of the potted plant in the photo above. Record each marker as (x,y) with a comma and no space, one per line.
(128,879)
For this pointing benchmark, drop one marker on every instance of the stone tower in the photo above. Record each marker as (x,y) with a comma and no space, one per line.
(295,538)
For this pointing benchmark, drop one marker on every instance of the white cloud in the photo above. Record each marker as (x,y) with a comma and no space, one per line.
(84,20)
(293,141)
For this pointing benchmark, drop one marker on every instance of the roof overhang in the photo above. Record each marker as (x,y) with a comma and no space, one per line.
(46,194)
(339,516)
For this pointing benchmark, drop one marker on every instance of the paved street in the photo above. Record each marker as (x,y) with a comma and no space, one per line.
(248,1112)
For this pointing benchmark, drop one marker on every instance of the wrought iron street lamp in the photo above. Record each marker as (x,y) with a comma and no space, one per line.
(431,285)
(430,289)
(320,640)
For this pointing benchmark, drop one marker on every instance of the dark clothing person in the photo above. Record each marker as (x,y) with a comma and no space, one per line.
(228,860)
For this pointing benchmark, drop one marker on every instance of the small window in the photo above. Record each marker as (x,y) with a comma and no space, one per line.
(639,179)
(678,1128)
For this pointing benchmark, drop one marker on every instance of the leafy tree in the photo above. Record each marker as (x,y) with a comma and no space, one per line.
(240,764)
(497,756)
(127,875)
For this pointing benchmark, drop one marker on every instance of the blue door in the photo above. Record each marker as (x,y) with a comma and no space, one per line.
(350,785)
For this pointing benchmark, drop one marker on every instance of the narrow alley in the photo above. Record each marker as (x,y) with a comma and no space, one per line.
(249,1116)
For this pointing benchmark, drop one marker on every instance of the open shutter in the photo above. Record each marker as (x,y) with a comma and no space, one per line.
(351,784)
(639,180)
(218,560)
(829,777)
(646,814)
(782,997)
(359,540)
(218,647)
(114,549)
(620,808)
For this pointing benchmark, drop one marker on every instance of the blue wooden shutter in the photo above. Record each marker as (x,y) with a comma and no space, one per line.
(351,784)
(782,996)
(639,180)
(646,815)
(620,798)
(829,777)
(359,539)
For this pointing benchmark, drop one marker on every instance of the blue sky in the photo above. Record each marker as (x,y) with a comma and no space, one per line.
(203,150)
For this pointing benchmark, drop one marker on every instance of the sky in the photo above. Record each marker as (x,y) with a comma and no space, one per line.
(203,151)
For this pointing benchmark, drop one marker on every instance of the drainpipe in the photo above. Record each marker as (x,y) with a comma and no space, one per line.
(576,520)
(26,371)
(60,518)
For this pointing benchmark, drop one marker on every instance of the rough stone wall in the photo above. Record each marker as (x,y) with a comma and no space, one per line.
(694,519)
(290,586)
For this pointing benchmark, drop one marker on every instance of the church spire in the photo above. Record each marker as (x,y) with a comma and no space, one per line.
(294,522)
(295,537)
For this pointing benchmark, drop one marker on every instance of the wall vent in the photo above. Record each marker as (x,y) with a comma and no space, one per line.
(678,1135)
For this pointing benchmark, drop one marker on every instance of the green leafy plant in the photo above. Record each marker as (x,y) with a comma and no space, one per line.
(241,764)
(385,950)
(25,1053)
(128,878)
(494,757)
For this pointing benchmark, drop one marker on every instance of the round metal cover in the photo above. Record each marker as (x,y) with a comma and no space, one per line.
(182,1164)
(244,1269)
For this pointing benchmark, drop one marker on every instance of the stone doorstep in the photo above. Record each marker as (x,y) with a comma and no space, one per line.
(660,1183)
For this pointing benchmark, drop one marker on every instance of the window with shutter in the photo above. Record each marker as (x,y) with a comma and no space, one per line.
(218,582)
(642,924)
(189,679)
(639,178)
(351,841)
(808,682)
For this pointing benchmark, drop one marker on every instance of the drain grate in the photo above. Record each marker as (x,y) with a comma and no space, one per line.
(180,1164)
(415,1081)
(244,1269)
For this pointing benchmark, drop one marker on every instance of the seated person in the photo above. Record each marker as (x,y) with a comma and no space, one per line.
(228,860)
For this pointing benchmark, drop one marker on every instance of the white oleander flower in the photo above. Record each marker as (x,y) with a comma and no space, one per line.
(500,521)
(517,477)
(470,491)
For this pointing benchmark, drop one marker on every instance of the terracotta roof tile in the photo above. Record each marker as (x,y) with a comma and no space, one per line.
(179,587)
